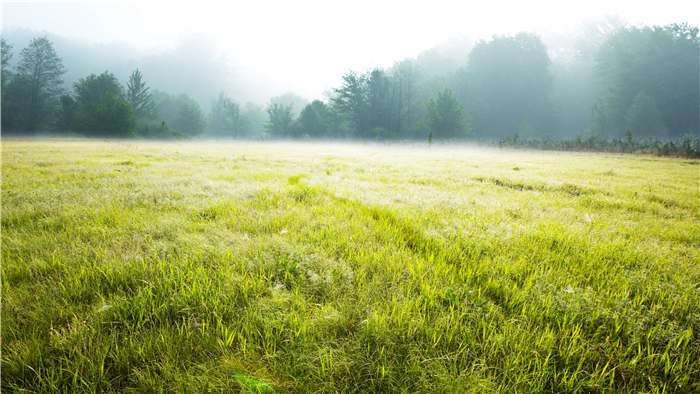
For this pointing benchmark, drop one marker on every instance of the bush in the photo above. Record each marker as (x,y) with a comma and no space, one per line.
(685,146)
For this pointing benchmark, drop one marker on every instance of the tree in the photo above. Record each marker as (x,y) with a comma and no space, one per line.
(407,109)
(40,69)
(446,117)
(101,108)
(181,114)
(280,120)
(253,119)
(91,89)
(8,99)
(295,102)
(190,119)
(383,104)
(574,92)
(113,116)
(65,115)
(138,95)
(350,101)
(379,99)
(225,117)
(510,84)
(643,117)
(314,120)
(6,55)
(662,62)
(15,97)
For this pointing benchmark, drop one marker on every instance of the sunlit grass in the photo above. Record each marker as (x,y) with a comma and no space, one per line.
(150,266)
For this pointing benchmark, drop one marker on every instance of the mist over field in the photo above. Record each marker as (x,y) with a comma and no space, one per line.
(315,196)
(591,80)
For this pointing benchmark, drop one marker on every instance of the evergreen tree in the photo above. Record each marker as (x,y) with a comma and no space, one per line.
(350,101)
(138,95)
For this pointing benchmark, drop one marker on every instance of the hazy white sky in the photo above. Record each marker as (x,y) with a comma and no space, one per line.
(305,46)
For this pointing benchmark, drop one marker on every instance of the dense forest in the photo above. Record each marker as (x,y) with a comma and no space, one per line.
(621,83)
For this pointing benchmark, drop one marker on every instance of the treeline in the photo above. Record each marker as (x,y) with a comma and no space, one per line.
(639,81)
(35,100)
(635,82)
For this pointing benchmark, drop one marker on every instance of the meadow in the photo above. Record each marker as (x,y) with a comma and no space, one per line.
(146,266)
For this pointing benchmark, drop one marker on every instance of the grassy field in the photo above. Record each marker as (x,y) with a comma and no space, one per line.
(174,266)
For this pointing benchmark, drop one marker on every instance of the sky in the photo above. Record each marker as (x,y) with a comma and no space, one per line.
(305,46)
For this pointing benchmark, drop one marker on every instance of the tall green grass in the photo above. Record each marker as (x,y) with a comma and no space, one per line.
(151,266)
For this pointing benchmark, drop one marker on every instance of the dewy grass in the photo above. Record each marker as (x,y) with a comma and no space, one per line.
(192,267)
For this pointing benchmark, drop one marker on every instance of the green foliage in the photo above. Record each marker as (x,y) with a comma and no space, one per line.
(112,116)
(190,119)
(38,85)
(643,117)
(315,120)
(410,90)
(102,109)
(635,65)
(279,120)
(225,118)
(181,113)
(9,114)
(446,117)
(615,78)
(684,146)
(509,83)
(5,57)
(294,102)
(350,100)
(138,95)
(254,385)
(15,96)
(65,115)
(93,88)
(378,104)
(574,92)
(254,118)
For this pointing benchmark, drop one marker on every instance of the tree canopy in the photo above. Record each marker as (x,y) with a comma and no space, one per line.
(38,83)
(656,67)
(509,84)
(225,117)
(101,107)
(446,117)
(280,120)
